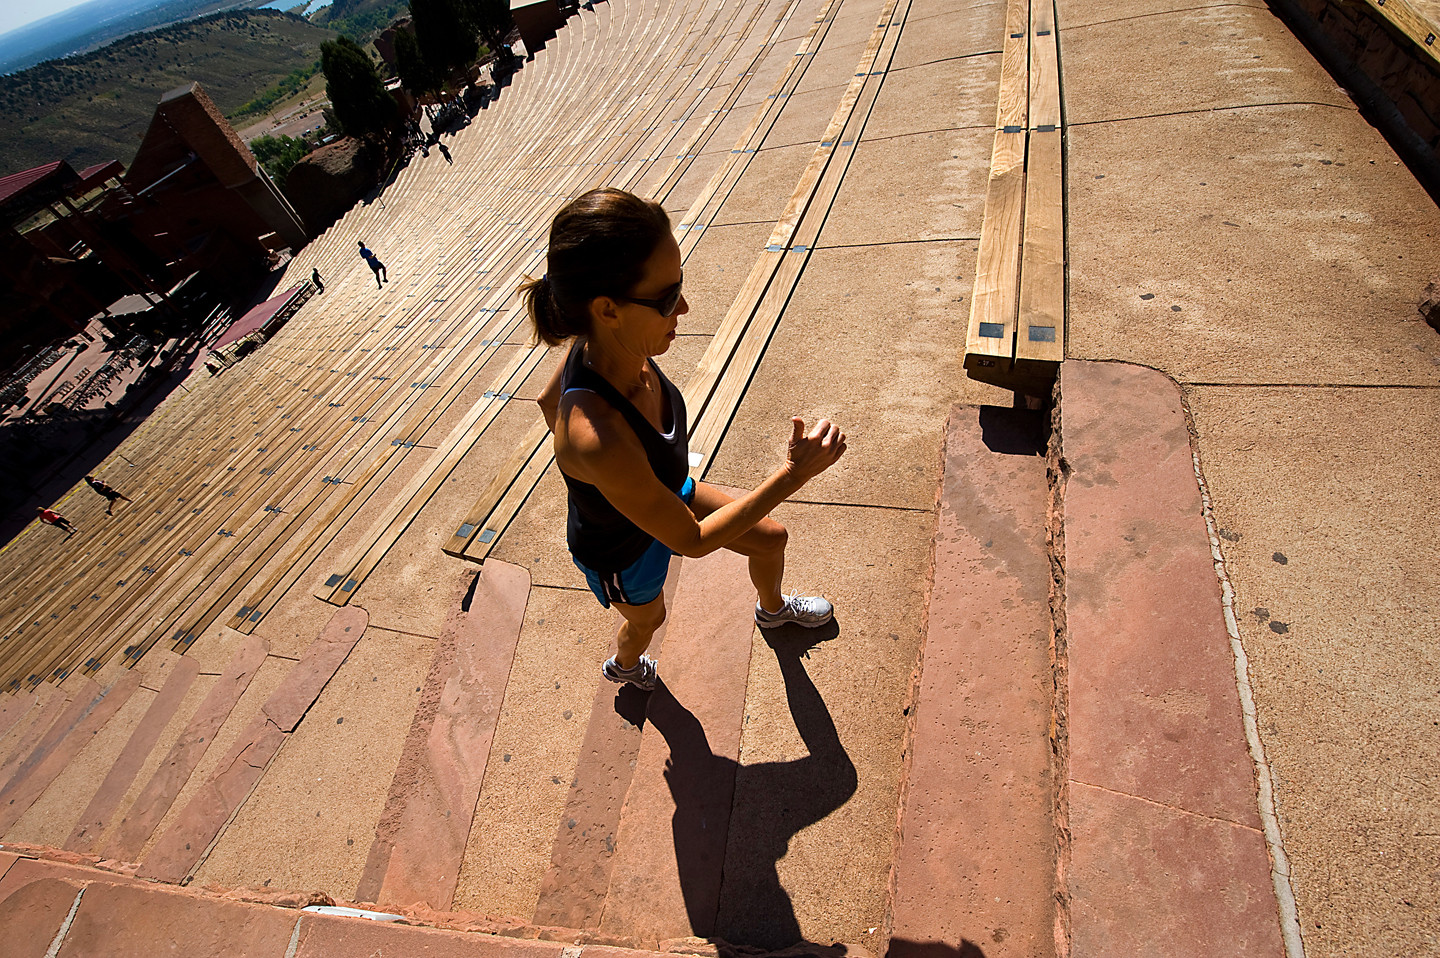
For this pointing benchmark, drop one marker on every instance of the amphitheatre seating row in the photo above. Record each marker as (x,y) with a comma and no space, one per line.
(1016,336)
(518,197)
(170,479)
(219,514)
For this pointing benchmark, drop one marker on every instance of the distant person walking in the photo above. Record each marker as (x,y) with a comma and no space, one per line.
(445,153)
(375,265)
(315,278)
(108,491)
(57,520)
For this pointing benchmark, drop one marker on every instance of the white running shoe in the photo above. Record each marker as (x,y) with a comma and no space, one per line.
(644,675)
(806,611)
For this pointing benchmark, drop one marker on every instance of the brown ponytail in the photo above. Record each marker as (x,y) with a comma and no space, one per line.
(599,243)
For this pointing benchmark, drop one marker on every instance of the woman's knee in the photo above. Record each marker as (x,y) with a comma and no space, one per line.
(772,537)
(649,616)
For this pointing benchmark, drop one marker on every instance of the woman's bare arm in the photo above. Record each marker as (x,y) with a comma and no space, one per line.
(594,444)
(549,398)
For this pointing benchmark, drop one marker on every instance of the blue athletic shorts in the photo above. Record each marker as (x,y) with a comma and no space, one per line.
(642,580)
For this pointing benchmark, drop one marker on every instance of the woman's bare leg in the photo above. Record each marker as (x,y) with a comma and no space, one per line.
(637,630)
(764,545)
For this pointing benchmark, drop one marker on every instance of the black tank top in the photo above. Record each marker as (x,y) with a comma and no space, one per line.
(599,535)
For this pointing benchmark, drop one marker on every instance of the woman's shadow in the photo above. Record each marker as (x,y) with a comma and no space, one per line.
(728,876)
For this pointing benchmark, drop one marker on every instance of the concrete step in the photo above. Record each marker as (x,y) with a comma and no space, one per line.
(87,713)
(640,849)
(14,708)
(420,840)
(126,838)
(183,846)
(50,906)
(671,843)
(1166,853)
(111,793)
(975,863)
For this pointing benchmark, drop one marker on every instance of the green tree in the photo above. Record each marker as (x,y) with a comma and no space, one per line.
(446,37)
(415,71)
(278,154)
(357,95)
(490,18)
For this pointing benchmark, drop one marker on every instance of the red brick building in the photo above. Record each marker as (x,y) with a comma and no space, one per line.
(194,211)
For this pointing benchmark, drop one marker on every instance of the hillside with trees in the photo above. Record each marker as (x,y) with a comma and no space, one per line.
(96,107)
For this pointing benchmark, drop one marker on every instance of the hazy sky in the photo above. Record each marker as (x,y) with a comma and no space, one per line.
(17,13)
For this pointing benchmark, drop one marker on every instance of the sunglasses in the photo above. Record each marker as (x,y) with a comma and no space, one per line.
(665,305)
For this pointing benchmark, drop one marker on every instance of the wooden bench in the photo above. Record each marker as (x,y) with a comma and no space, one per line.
(1016,336)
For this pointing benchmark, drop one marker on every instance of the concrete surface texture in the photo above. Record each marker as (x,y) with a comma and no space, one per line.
(1215,235)
(1027,732)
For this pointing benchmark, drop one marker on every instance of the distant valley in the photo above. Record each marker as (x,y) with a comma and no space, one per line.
(92,25)
(94,107)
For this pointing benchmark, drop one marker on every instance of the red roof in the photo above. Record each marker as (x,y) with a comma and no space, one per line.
(19,182)
(253,320)
(90,171)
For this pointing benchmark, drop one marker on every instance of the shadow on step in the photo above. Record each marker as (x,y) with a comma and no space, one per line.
(765,804)
(1013,432)
(904,948)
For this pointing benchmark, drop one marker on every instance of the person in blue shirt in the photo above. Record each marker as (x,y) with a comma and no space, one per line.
(374,263)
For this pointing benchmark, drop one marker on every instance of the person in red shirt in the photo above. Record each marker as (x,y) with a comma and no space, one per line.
(56,519)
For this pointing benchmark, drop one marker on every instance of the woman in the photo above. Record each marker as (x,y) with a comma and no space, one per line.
(614,286)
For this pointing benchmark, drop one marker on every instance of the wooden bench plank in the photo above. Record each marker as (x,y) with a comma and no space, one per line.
(1040,338)
(1016,335)
(1040,332)
(990,337)
(1411,23)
